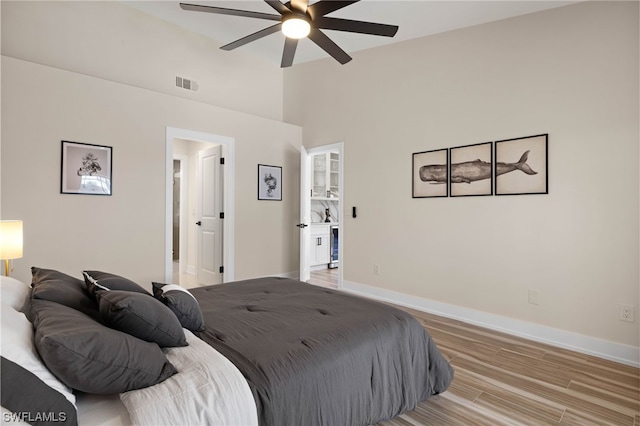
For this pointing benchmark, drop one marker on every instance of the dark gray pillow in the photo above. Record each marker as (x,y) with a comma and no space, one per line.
(182,304)
(95,280)
(27,397)
(90,357)
(55,286)
(140,315)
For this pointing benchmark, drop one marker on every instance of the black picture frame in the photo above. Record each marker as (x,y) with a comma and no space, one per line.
(471,170)
(86,169)
(430,174)
(269,182)
(522,165)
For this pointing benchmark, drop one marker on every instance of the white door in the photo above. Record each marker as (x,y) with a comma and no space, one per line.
(209,223)
(305,213)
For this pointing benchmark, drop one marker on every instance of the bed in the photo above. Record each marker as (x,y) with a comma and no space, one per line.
(268,351)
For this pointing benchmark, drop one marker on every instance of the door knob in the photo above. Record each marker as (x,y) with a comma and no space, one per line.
(199,223)
(302,225)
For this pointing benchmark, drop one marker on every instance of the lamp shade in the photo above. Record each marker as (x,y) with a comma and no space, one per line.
(10,239)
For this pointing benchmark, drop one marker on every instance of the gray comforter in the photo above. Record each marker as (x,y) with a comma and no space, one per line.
(315,356)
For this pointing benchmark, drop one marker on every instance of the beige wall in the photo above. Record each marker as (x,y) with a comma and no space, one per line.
(125,233)
(110,40)
(571,72)
(104,73)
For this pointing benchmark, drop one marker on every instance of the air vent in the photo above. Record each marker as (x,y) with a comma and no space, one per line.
(186,83)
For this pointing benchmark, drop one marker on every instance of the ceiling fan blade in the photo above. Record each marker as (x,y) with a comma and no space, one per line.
(278,6)
(290,45)
(300,5)
(319,38)
(225,11)
(324,7)
(252,37)
(361,27)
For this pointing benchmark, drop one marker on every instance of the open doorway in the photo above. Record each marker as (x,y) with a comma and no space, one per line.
(190,216)
(176,211)
(197,208)
(180,213)
(326,216)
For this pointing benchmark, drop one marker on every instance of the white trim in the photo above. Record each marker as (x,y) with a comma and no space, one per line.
(228,145)
(625,354)
(294,275)
(322,267)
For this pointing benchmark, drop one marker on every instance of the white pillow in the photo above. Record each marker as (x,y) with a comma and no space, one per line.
(13,292)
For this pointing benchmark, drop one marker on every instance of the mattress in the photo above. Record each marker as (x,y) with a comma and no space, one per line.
(317,356)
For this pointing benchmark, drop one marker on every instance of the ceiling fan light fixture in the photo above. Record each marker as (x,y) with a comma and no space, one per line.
(299,19)
(296,27)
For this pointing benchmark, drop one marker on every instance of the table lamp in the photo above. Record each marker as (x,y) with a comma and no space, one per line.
(10,241)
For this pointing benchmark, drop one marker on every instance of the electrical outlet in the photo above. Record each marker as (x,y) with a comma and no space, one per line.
(626,313)
(534,296)
(376,269)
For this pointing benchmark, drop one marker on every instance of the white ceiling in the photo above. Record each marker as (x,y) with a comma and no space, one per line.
(416,18)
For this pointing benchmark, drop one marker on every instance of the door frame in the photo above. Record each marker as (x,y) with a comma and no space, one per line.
(339,147)
(228,196)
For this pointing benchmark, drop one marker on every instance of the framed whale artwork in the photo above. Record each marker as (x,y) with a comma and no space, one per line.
(522,165)
(430,174)
(471,170)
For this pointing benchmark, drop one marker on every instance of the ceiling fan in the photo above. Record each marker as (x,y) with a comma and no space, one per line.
(297,19)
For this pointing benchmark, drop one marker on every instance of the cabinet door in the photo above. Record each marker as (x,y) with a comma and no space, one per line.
(319,176)
(334,174)
(319,247)
(323,249)
(325,176)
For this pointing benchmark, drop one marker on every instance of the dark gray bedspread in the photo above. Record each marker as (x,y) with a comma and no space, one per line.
(315,356)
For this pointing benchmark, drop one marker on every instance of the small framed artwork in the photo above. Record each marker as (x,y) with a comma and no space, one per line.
(471,170)
(85,169)
(522,165)
(269,182)
(430,174)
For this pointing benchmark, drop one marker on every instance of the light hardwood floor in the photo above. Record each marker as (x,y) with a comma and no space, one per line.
(505,380)
(325,278)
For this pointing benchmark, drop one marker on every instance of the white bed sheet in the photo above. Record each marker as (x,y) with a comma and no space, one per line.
(207,390)
(101,410)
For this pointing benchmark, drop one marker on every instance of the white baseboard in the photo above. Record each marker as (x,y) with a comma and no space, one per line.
(319,267)
(625,354)
(292,275)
